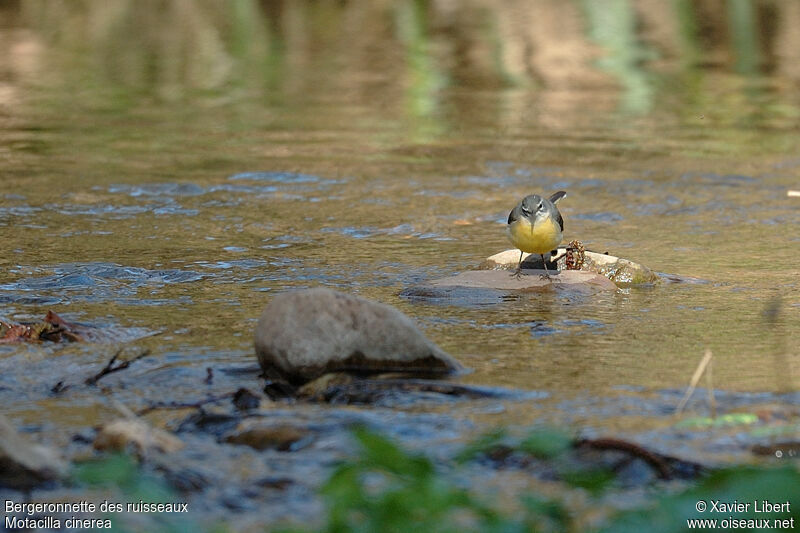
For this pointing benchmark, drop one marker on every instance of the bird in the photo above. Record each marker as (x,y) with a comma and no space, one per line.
(535,226)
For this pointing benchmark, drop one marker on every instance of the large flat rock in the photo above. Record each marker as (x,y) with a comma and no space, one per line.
(623,272)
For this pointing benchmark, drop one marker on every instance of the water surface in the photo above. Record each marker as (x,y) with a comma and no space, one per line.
(171,169)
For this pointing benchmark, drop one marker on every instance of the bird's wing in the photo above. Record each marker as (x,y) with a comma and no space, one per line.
(513,215)
(557,196)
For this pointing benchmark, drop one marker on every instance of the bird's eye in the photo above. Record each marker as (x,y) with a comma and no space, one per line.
(526,210)
(539,207)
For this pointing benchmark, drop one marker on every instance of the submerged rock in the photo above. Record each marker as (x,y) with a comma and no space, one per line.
(549,455)
(245,400)
(620,271)
(529,279)
(393,390)
(124,434)
(262,435)
(304,334)
(25,464)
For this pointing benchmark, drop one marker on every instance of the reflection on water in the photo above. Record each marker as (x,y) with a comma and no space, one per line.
(167,164)
(170,165)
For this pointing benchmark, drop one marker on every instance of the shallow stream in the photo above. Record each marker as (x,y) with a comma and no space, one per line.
(171,169)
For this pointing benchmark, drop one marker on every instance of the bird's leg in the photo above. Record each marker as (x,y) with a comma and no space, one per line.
(546,274)
(518,272)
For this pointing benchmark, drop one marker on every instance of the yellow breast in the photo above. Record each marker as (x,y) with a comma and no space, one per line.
(538,238)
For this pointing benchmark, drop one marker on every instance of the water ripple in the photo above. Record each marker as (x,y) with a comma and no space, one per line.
(158,189)
(93,282)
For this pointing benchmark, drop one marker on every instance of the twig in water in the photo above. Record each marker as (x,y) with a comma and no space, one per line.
(59,387)
(110,368)
(712,404)
(698,373)
(654,460)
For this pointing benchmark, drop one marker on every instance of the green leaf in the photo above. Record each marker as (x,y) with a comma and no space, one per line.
(381,453)
(115,470)
(730,419)
(481,445)
(546,443)
(594,480)
(743,484)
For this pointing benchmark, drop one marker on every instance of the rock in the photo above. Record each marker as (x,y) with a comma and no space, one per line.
(126,433)
(214,420)
(508,260)
(456,295)
(304,334)
(530,279)
(24,464)
(244,400)
(320,389)
(620,271)
(392,390)
(262,436)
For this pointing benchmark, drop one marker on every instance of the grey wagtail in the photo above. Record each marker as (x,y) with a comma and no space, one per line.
(535,226)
